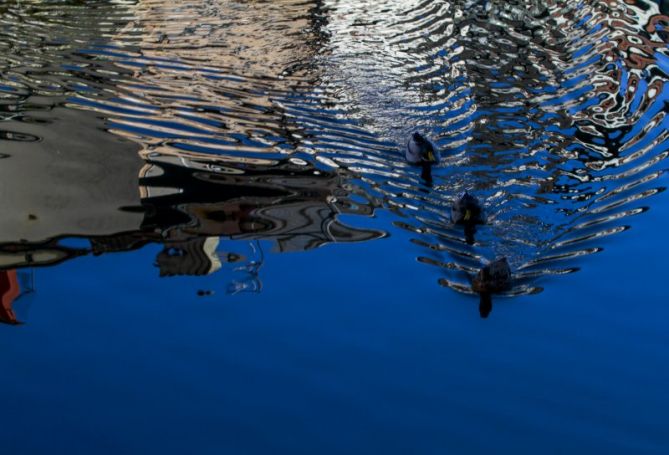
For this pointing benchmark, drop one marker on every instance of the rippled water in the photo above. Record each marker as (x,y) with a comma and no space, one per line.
(209,135)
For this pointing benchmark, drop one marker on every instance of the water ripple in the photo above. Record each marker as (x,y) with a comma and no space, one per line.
(553,113)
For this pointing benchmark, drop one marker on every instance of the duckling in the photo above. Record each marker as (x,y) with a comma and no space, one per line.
(422,152)
(493,277)
(466,210)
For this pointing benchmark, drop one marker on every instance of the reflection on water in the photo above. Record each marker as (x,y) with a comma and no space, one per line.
(13,285)
(144,121)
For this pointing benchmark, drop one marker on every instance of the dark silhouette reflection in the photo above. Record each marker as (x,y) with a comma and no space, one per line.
(485,304)
(470,230)
(426,173)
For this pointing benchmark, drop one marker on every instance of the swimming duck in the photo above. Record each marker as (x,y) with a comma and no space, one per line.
(422,152)
(466,210)
(493,277)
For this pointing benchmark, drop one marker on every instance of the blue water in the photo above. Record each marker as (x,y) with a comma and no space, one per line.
(331,358)
(210,241)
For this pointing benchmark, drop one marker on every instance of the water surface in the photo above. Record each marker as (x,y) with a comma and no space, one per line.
(210,237)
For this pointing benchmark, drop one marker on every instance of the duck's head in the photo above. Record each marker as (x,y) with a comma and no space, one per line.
(418,137)
(469,200)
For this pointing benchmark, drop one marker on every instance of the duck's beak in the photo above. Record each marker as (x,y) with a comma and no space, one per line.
(468,215)
(430,156)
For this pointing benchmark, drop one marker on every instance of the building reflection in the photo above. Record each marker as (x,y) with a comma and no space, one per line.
(189,208)
(200,147)
(294,206)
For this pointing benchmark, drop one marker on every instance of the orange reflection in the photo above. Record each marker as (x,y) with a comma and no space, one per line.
(9,291)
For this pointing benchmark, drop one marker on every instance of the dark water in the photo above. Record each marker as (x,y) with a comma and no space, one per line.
(210,240)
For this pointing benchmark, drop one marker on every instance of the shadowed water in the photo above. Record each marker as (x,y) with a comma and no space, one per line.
(207,135)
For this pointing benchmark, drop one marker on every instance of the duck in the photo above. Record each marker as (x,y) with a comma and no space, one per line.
(420,151)
(467,211)
(493,278)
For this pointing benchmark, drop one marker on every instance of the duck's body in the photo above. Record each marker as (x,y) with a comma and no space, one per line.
(493,277)
(466,209)
(420,150)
